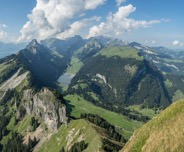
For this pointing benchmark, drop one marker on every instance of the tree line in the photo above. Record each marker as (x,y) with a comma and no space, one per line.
(110,129)
(15,144)
(109,105)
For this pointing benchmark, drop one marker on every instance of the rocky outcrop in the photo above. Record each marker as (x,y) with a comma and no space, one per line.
(29,93)
(14,80)
(45,106)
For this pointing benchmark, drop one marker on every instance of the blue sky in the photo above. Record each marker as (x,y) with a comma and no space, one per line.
(151,22)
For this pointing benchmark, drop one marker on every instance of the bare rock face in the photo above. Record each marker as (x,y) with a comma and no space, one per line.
(46,106)
(29,93)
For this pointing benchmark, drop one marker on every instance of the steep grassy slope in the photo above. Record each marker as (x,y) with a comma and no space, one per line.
(163,133)
(74,66)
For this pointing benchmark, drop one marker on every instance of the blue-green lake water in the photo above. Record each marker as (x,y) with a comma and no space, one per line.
(65,79)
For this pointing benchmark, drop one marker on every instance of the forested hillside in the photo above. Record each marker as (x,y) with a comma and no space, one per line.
(117,77)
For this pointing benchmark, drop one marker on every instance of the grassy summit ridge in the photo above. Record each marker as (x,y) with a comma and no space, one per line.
(66,136)
(163,133)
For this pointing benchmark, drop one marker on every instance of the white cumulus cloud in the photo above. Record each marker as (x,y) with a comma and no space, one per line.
(3,26)
(153,42)
(119,2)
(119,23)
(4,35)
(78,27)
(176,43)
(92,4)
(51,17)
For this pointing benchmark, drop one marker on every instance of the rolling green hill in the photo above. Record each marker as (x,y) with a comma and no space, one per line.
(77,105)
(163,133)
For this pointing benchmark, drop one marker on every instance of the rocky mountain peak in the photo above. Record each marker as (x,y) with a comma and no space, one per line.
(93,43)
(33,45)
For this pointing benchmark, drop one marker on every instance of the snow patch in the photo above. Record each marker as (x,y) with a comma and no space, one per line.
(172,66)
(154,61)
(138,47)
(149,52)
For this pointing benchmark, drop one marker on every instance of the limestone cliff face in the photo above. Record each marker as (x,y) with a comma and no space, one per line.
(46,106)
(16,87)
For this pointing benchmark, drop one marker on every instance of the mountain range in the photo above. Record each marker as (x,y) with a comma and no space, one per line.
(87,95)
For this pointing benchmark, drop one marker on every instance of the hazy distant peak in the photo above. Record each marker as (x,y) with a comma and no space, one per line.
(93,43)
(104,40)
(33,43)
